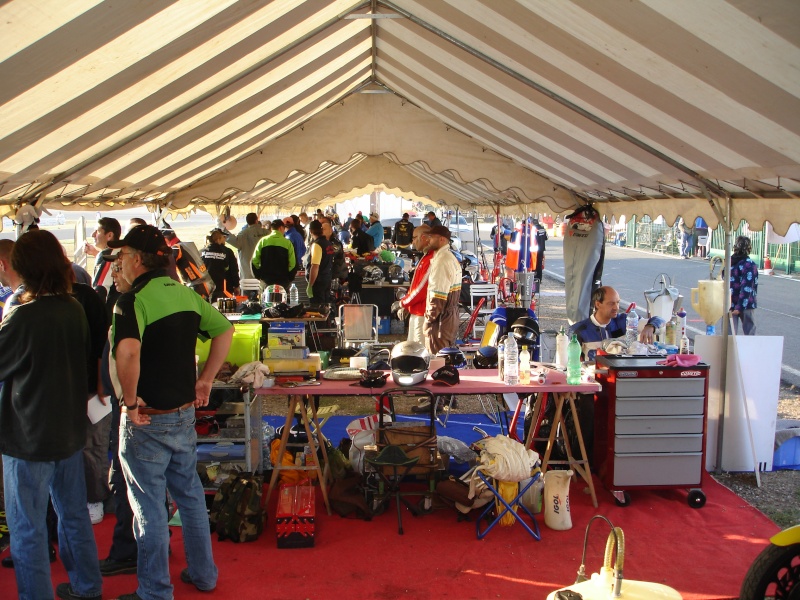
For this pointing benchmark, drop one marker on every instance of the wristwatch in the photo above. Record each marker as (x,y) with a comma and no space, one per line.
(134,407)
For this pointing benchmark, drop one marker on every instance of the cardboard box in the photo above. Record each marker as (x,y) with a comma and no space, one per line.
(312,364)
(294,517)
(284,352)
(292,334)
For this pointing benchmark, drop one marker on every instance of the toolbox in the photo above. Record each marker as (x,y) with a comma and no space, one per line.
(294,518)
(650,426)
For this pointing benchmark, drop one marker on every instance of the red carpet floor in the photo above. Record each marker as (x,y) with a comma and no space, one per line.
(703,553)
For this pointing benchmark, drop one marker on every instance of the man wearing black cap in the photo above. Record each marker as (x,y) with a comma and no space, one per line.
(154,331)
(444,288)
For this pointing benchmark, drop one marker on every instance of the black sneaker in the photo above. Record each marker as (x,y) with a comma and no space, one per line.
(109,567)
(187,579)
(64,590)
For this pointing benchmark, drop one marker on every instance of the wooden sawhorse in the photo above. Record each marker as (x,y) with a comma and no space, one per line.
(580,464)
(297,404)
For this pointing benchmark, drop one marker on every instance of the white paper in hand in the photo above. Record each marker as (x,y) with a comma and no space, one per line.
(96,409)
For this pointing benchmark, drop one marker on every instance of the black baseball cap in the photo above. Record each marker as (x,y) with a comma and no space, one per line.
(144,238)
(446,375)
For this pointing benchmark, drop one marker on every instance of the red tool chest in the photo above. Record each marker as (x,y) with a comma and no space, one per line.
(650,426)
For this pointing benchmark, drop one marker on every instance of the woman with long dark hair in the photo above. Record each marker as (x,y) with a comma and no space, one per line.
(44,349)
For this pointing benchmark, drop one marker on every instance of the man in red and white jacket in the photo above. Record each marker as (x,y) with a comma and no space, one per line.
(413,303)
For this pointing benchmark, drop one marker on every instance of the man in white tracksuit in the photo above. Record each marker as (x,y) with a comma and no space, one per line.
(444,289)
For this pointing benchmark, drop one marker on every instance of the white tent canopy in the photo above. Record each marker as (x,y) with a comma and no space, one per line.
(637,106)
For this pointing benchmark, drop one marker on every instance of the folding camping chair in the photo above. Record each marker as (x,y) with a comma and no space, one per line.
(511,508)
(358,325)
(404,448)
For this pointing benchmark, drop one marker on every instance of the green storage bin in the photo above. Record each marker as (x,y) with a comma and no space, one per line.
(245,346)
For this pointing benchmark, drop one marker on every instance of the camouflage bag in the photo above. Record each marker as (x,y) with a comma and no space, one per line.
(237,513)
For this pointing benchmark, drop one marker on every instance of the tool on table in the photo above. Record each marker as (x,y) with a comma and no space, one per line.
(294,384)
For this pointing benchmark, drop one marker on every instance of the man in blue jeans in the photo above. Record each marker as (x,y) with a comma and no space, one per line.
(155,328)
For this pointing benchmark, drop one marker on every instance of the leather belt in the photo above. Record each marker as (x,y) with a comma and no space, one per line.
(146,410)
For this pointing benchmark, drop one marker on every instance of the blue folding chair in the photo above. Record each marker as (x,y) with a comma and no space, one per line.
(508,507)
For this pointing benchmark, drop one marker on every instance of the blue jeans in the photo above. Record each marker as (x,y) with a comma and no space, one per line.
(157,457)
(686,244)
(28,486)
(747,320)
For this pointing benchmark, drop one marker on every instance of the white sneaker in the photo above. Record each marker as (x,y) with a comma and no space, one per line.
(95,512)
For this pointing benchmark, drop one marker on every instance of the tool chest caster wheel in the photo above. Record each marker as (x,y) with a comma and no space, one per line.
(696,499)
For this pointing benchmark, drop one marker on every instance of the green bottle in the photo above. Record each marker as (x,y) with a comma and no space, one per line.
(574,361)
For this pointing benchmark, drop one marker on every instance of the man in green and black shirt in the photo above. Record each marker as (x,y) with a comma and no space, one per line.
(274,260)
(154,332)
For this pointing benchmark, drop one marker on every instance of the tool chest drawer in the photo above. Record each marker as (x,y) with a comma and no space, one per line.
(670,387)
(675,442)
(640,425)
(690,405)
(649,469)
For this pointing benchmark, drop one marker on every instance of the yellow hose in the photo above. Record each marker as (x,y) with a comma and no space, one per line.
(619,541)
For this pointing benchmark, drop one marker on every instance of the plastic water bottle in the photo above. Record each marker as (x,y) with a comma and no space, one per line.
(562,341)
(574,361)
(524,366)
(511,362)
(631,328)
(294,296)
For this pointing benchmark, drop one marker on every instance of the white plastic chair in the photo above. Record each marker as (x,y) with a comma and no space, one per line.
(476,292)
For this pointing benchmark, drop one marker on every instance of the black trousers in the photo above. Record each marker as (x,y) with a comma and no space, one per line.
(123,544)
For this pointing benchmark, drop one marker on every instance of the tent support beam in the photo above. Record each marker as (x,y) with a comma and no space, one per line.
(557,98)
(725,334)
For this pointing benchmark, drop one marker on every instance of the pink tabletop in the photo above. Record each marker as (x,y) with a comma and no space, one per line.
(475,381)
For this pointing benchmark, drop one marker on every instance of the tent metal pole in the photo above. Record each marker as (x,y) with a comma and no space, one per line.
(725,334)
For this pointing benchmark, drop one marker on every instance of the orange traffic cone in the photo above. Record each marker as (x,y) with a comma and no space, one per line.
(767,265)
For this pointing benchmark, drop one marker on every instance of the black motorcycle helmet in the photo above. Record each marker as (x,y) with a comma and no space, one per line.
(453,357)
(486,358)
(526,331)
